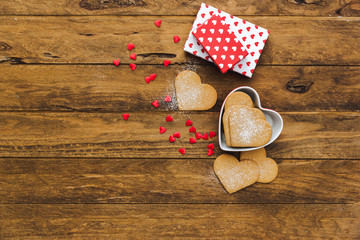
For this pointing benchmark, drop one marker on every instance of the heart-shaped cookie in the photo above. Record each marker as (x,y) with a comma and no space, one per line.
(248,127)
(235,175)
(191,94)
(267,166)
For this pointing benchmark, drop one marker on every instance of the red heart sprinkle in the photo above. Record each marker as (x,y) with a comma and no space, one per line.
(244,22)
(211,13)
(261,33)
(182,151)
(252,53)
(116,62)
(252,70)
(219,11)
(264,41)
(169,118)
(240,31)
(203,15)
(256,61)
(126,116)
(202,50)
(166,63)
(162,130)
(268,31)
(158,23)
(172,139)
(177,135)
(244,39)
(212,134)
(257,43)
(248,46)
(192,140)
(152,76)
(207,6)
(236,23)
(131,46)
(231,16)
(133,56)
(198,135)
(155,103)
(248,63)
(189,122)
(205,136)
(252,36)
(190,45)
(176,39)
(192,130)
(260,51)
(132,66)
(207,57)
(194,52)
(243,73)
(198,43)
(256,26)
(211,146)
(210,152)
(248,28)
(167,98)
(147,80)
(240,65)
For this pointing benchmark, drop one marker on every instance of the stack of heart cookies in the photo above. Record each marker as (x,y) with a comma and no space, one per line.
(253,167)
(244,125)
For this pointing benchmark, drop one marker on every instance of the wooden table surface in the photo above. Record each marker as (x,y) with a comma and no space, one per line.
(72,168)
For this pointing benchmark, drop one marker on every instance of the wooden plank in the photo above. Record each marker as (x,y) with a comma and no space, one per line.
(209,221)
(156,7)
(170,181)
(293,40)
(107,88)
(305,135)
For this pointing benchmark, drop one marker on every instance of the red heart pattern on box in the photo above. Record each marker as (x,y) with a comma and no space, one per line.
(254,41)
(220,42)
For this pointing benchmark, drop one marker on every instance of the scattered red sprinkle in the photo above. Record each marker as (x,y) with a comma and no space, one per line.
(133,56)
(147,80)
(212,134)
(176,39)
(167,63)
(192,130)
(205,136)
(167,98)
(177,135)
(116,62)
(210,152)
(198,135)
(169,118)
(126,116)
(131,46)
(155,103)
(192,140)
(172,139)
(158,23)
(182,151)
(162,130)
(153,76)
(211,146)
(132,66)
(189,122)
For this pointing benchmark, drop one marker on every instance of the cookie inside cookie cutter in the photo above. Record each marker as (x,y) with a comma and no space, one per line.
(272,117)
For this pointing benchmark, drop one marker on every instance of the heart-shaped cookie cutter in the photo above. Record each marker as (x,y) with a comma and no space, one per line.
(272,117)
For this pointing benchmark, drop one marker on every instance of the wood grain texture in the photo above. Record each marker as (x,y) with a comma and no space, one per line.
(305,135)
(210,221)
(173,7)
(39,181)
(293,40)
(116,89)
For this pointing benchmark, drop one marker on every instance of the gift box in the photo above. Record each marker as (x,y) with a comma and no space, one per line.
(220,42)
(251,36)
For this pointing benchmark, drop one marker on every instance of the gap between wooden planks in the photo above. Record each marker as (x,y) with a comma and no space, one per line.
(114,221)
(293,40)
(33,134)
(117,89)
(84,180)
(156,7)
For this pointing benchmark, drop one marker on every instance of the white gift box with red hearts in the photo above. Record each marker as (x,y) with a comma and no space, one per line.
(250,35)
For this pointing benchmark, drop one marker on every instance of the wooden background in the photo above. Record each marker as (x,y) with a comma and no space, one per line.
(72,168)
